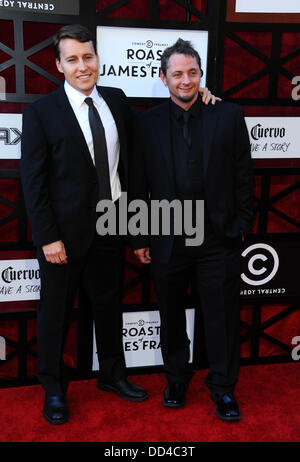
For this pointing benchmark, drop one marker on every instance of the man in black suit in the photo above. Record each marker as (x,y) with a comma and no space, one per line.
(187,151)
(71,160)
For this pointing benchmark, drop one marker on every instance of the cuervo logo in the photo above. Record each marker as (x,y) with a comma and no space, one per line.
(258,131)
(9,274)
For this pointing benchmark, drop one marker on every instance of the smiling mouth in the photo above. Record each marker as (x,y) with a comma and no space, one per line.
(84,77)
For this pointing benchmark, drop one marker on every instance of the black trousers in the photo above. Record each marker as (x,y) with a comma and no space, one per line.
(214,268)
(100,274)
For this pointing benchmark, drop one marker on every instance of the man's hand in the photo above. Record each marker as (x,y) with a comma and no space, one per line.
(55,253)
(143,255)
(207,96)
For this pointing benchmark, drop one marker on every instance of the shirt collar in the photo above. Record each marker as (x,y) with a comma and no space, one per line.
(78,98)
(194,110)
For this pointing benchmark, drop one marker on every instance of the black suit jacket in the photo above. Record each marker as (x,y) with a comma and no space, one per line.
(227,170)
(58,175)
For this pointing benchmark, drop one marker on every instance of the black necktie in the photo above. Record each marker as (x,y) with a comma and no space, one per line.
(100,151)
(186,128)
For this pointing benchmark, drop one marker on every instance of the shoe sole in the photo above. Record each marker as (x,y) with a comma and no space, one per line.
(55,421)
(126,397)
(174,406)
(228,419)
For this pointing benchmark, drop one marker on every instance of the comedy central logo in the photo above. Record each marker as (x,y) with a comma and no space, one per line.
(263,264)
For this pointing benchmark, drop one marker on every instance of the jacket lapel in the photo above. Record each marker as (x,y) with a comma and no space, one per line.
(72,126)
(115,110)
(162,131)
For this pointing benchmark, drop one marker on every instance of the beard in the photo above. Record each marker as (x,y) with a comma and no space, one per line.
(187,98)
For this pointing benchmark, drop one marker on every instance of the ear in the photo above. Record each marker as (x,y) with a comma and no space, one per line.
(163,78)
(58,65)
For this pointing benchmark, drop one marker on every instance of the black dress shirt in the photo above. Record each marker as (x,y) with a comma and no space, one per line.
(188,166)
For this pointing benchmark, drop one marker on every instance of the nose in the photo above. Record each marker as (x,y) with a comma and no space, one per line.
(185,79)
(82,65)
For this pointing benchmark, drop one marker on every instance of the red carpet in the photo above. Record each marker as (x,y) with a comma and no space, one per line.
(268,395)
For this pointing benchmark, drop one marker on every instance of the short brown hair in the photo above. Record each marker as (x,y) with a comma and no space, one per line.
(73,31)
(181,47)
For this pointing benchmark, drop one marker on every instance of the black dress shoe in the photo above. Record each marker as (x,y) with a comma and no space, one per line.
(227,407)
(55,409)
(174,394)
(125,389)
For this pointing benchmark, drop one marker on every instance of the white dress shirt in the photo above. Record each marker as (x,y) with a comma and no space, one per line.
(80,108)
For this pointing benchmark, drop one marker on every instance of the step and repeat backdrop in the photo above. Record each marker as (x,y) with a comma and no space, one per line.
(270,270)
(130,59)
(270,137)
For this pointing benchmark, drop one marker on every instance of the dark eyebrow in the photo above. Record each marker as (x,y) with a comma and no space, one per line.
(75,56)
(189,70)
